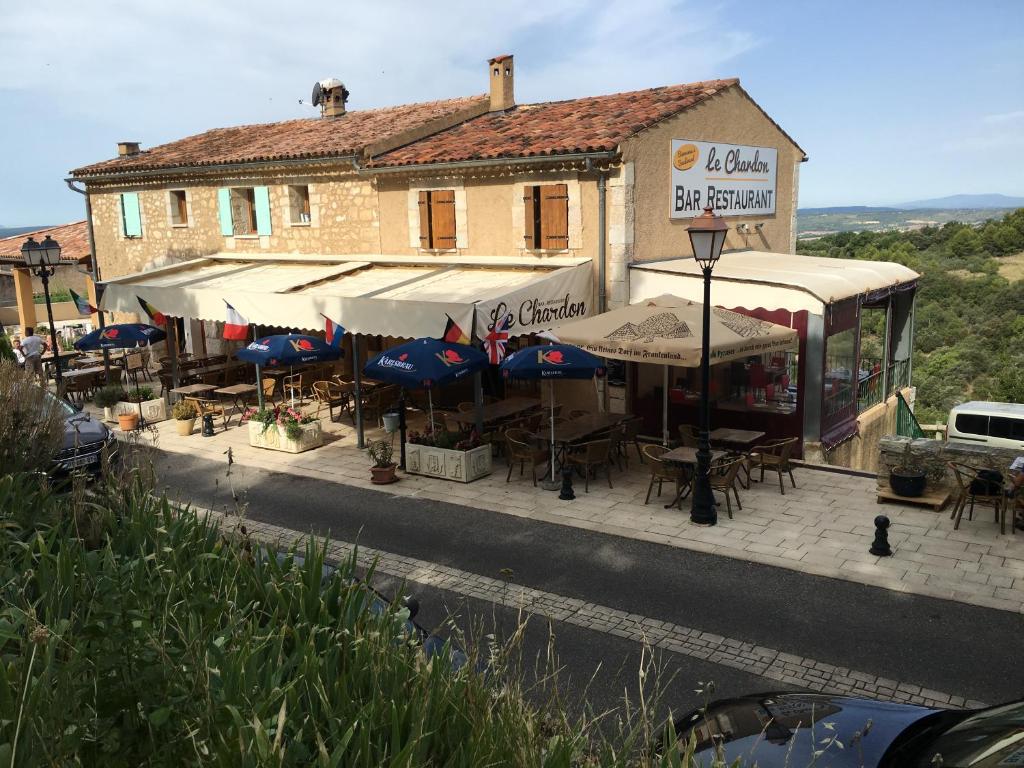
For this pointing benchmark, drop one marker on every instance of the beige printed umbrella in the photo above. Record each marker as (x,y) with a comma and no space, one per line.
(667,330)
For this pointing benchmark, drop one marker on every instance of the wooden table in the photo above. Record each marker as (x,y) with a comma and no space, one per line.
(585,426)
(79,373)
(238,393)
(503,409)
(740,441)
(193,390)
(685,455)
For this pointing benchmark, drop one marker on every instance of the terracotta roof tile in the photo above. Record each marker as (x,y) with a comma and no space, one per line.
(292,139)
(73,239)
(594,124)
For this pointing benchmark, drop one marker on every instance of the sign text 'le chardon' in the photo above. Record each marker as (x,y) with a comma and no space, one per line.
(734,180)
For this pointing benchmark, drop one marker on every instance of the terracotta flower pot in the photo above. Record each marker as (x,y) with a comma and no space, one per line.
(185,426)
(383,475)
(127,421)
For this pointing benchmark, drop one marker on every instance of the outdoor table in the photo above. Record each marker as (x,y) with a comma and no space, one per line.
(194,390)
(573,431)
(238,393)
(88,361)
(81,373)
(739,441)
(685,455)
(503,409)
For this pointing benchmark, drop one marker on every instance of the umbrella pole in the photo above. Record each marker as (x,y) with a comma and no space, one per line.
(259,388)
(552,484)
(291,389)
(430,401)
(664,409)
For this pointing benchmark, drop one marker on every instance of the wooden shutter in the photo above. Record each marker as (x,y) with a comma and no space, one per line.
(131,218)
(224,210)
(554,216)
(442,219)
(261,199)
(424,206)
(530,218)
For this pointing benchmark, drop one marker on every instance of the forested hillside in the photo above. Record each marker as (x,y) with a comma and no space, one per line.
(969,330)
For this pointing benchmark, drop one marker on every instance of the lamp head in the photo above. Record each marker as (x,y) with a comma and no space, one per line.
(50,249)
(707,237)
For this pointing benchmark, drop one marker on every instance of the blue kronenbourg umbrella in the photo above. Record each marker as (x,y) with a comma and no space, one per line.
(552,361)
(287,349)
(425,364)
(120,336)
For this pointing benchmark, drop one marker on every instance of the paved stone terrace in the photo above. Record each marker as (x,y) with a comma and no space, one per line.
(823,527)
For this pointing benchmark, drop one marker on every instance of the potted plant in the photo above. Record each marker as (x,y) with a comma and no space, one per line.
(908,478)
(140,400)
(184,413)
(283,429)
(459,456)
(383,470)
(127,421)
(106,398)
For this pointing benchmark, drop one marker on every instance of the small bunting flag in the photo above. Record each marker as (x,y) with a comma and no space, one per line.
(82,305)
(155,315)
(334,332)
(453,334)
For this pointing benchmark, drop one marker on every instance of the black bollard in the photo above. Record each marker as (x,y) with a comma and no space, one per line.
(566,493)
(880,546)
(207,425)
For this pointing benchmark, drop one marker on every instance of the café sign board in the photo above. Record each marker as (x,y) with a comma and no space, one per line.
(735,180)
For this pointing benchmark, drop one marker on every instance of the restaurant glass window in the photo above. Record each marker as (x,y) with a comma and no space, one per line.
(841,375)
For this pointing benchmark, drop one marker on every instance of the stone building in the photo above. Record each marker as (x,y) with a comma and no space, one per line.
(392,220)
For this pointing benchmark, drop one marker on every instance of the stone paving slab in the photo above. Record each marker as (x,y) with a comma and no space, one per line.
(759,660)
(824,527)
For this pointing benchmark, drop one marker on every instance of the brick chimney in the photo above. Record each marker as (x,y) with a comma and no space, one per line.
(333,95)
(502,82)
(127,148)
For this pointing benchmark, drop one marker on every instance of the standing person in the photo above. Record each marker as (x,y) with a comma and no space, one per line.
(32,347)
(19,356)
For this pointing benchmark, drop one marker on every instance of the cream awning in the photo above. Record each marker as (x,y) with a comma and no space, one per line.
(400,297)
(667,330)
(753,279)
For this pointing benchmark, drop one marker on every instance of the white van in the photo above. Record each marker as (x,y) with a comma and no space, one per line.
(1000,425)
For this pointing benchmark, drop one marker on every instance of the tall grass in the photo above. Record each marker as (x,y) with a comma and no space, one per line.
(155,640)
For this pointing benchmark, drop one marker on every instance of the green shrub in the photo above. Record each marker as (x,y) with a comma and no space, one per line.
(109,396)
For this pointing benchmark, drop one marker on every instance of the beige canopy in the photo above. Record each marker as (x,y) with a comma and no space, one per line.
(667,330)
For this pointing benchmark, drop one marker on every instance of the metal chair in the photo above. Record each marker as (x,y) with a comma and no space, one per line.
(663,470)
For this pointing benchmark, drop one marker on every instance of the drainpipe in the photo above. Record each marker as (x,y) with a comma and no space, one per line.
(602,235)
(95,264)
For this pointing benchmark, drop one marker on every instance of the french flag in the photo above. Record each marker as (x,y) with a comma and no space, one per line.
(236,327)
(334,332)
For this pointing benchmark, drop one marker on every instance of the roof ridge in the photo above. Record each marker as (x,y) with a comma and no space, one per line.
(722,82)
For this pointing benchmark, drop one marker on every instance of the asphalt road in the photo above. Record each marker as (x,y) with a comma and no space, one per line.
(947,646)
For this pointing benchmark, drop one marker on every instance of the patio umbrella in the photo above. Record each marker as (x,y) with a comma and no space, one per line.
(121,336)
(552,361)
(424,364)
(286,349)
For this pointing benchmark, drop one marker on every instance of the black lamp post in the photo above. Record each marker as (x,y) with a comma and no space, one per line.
(42,259)
(707,236)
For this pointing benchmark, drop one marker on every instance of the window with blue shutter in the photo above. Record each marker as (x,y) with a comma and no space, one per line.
(224,210)
(262,201)
(131,217)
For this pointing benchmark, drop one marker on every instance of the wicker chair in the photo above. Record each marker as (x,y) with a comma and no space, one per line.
(577,412)
(723,478)
(209,408)
(688,436)
(269,384)
(630,433)
(967,478)
(615,445)
(520,447)
(663,470)
(775,456)
(590,456)
(291,387)
(465,407)
(331,394)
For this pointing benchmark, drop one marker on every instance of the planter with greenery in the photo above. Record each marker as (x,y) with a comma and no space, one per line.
(106,398)
(184,413)
(908,478)
(141,400)
(457,456)
(283,429)
(381,453)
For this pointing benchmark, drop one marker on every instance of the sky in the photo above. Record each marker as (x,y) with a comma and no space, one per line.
(892,101)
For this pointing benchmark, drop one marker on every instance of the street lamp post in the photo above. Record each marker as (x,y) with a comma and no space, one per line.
(707,236)
(42,259)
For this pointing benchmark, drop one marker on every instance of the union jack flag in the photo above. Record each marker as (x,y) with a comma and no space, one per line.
(496,340)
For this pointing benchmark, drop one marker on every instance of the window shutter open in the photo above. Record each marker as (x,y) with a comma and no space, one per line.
(530,218)
(131,218)
(424,206)
(442,218)
(262,199)
(554,216)
(224,210)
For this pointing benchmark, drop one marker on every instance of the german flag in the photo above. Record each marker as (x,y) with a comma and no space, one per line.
(155,315)
(453,334)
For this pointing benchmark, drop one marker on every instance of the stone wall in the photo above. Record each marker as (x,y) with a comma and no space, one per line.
(932,455)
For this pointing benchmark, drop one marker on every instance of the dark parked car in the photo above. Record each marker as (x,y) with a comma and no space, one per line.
(85,441)
(786,729)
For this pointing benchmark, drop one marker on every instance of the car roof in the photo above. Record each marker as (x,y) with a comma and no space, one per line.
(986,407)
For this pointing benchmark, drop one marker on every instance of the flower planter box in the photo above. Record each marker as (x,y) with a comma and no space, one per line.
(275,439)
(150,410)
(461,466)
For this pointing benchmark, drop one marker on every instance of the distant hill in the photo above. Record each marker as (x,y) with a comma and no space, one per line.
(816,222)
(9,231)
(841,209)
(966,201)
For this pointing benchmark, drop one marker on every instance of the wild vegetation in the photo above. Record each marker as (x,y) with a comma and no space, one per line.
(969,323)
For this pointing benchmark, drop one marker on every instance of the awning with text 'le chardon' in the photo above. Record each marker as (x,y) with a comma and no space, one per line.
(403,297)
